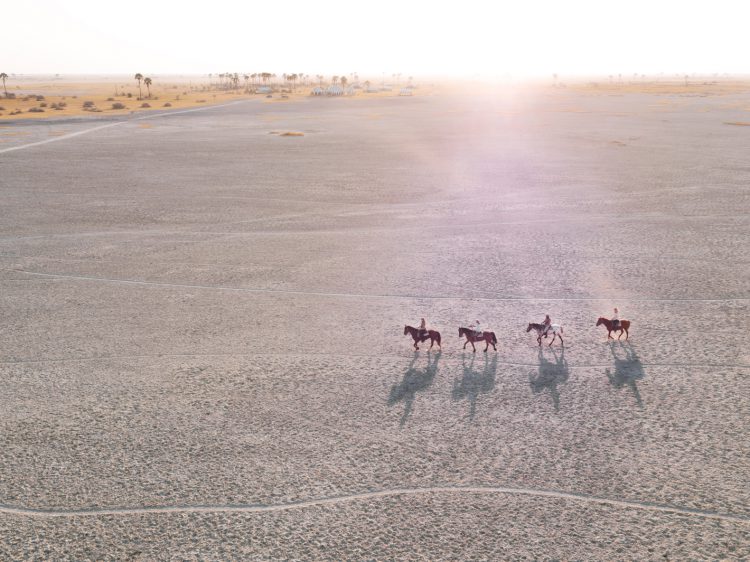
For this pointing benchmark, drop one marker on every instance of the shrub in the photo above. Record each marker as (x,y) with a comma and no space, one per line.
(130,95)
(16,112)
(11,96)
(2,108)
(75,97)
(110,99)
(53,106)
(88,104)
(200,101)
(36,110)
(43,104)
(118,105)
(167,104)
(39,98)
(145,105)
(62,104)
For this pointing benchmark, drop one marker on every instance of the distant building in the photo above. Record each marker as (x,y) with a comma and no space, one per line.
(335,90)
(264,90)
(406,91)
(317,91)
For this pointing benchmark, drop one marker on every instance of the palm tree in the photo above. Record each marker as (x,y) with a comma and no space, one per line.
(343,82)
(147,81)
(139,77)
(4,77)
(335,80)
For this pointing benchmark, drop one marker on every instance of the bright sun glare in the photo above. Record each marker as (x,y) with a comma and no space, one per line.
(489,39)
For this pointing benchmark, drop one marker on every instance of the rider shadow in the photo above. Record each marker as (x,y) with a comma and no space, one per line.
(473,383)
(628,370)
(550,375)
(415,380)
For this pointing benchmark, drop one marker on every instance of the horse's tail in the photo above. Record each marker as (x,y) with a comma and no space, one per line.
(494,339)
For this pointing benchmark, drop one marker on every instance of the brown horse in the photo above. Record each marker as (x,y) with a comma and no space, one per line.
(624,325)
(471,337)
(432,335)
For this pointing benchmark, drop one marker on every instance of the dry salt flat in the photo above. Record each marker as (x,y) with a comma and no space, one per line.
(202,347)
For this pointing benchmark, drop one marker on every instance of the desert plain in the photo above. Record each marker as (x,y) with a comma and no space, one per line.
(202,350)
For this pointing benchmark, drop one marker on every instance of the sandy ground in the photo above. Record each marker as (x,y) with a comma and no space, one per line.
(54,101)
(202,347)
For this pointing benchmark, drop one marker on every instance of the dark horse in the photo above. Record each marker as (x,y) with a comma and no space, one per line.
(624,325)
(431,335)
(471,337)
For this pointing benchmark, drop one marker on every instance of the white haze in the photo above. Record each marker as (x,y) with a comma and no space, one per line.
(466,38)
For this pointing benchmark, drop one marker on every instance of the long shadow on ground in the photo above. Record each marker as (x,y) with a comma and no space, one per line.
(628,369)
(550,375)
(415,380)
(473,383)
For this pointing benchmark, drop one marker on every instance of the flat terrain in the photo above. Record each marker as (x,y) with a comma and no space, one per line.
(202,348)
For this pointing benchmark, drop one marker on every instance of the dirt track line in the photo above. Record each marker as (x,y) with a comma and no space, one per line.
(350,295)
(100,127)
(261,508)
(449,356)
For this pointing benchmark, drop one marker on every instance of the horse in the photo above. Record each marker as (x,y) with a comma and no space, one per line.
(471,337)
(432,335)
(556,330)
(624,325)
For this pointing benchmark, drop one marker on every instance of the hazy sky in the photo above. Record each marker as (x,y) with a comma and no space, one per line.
(491,38)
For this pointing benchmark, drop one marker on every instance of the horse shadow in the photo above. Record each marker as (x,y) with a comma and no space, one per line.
(474,383)
(415,380)
(628,369)
(550,375)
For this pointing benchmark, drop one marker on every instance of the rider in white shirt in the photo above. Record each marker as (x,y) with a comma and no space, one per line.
(477,329)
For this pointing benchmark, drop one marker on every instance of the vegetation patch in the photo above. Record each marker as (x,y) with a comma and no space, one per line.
(292,134)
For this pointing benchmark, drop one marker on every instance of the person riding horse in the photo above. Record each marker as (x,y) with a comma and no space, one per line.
(477,329)
(547,323)
(616,320)
(423,329)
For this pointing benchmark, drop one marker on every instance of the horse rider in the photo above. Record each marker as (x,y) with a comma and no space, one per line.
(477,329)
(616,320)
(423,329)
(546,324)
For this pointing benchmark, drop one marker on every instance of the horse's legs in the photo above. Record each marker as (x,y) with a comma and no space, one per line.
(618,337)
(473,346)
(554,335)
(487,345)
(609,335)
(467,341)
(562,343)
(627,335)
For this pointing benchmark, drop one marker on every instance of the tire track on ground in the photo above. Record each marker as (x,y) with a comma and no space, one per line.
(264,508)
(115,124)
(384,296)
(448,357)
